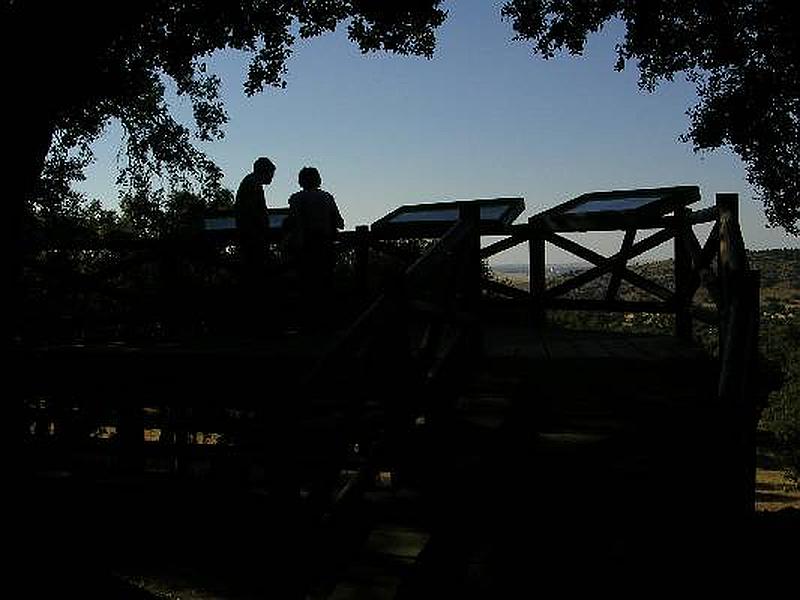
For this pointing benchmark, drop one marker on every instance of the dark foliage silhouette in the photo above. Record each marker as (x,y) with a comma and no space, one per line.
(741,55)
(73,69)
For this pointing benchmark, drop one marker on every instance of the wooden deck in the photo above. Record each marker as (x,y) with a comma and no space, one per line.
(581,460)
(446,443)
(564,452)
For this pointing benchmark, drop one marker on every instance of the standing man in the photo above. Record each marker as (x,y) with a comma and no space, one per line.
(251,216)
(252,225)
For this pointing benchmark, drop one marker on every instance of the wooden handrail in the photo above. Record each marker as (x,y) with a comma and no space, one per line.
(619,271)
(704,215)
(701,265)
(425,266)
(499,246)
(422,275)
(682,272)
(732,252)
(415,279)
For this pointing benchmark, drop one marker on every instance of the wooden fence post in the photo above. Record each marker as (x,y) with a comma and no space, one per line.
(361,260)
(616,274)
(738,352)
(683,275)
(537,271)
(470,213)
(732,259)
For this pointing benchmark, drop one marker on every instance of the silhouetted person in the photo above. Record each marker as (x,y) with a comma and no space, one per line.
(313,221)
(251,213)
(252,226)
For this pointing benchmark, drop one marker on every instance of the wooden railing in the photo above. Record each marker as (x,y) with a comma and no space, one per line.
(719,263)
(411,333)
(732,286)
(417,325)
(693,266)
(693,262)
(394,360)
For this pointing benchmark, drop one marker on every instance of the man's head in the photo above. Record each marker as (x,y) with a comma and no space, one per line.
(264,170)
(309,178)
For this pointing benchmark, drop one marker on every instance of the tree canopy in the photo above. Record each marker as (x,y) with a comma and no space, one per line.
(75,67)
(742,55)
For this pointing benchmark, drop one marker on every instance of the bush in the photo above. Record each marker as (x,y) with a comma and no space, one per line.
(782,415)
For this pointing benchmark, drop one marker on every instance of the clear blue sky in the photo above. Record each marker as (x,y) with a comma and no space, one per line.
(484,118)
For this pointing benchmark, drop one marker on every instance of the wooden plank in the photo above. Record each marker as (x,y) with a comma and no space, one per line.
(616,274)
(731,260)
(470,254)
(704,215)
(710,248)
(501,245)
(361,259)
(737,297)
(733,256)
(382,564)
(701,267)
(537,272)
(601,222)
(739,325)
(692,245)
(682,265)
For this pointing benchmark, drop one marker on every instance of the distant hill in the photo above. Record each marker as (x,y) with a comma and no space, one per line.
(779,268)
(522,268)
(780,274)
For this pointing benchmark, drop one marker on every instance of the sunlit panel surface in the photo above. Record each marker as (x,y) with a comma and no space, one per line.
(493,212)
(613,204)
(617,209)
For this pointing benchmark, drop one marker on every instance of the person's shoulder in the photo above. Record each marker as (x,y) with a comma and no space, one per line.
(247,183)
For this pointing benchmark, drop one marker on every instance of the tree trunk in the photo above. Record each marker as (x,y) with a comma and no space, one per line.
(31,135)
(28,143)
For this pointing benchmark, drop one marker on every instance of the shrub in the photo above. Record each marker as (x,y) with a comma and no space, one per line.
(782,415)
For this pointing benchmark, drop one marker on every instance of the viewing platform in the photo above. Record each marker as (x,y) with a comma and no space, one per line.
(451,439)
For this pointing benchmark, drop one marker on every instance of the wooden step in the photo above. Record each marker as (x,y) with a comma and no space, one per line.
(385,561)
